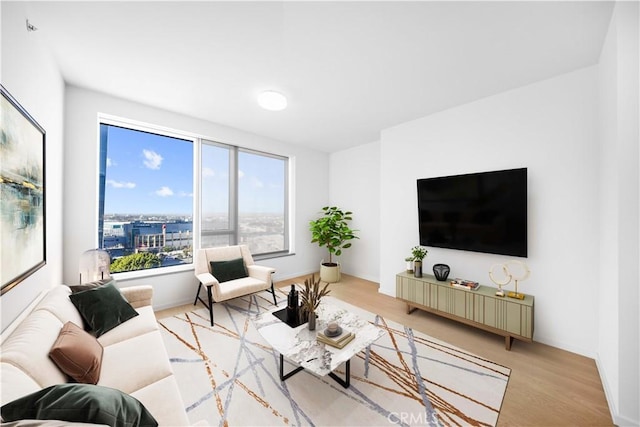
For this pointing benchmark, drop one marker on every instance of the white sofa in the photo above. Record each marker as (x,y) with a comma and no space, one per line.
(134,358)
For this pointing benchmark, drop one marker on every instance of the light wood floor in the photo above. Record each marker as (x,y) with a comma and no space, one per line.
(548,386)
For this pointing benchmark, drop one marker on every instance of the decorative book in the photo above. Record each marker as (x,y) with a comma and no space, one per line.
(466,284)
(339,342)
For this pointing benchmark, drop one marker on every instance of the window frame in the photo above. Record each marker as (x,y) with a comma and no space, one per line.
(233,230)
(163,131)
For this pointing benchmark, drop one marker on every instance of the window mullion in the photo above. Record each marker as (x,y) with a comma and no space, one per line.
(233,194)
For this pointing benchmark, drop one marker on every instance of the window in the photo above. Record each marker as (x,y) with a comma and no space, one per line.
(262,202)
(146,206)
(145,198)
(244,199)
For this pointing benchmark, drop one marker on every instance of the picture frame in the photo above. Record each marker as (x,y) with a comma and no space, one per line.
(22,193)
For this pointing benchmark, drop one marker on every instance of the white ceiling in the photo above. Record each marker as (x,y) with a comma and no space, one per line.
(349,69)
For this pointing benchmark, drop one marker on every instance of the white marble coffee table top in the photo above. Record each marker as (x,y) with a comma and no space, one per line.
(299,344)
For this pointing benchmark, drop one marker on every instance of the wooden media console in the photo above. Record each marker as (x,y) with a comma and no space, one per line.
(508,317)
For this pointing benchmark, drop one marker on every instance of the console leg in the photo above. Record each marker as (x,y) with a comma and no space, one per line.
(410,309)
(508,340)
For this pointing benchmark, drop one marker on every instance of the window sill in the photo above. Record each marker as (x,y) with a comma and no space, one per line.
(140,274)
(273,255)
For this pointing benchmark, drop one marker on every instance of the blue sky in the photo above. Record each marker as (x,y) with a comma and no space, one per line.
(153,174)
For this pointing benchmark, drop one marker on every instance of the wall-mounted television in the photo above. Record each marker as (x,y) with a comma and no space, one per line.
(480,212)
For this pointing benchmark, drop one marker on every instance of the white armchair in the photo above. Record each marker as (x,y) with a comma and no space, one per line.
(259,277)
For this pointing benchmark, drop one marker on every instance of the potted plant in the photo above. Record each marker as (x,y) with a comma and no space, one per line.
(310,299)
(332,230)
(418,252)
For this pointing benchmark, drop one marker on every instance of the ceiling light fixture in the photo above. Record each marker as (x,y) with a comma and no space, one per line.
(272,100)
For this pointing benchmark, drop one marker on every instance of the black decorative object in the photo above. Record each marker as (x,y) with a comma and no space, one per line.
(292,305)
(282,315)
(441,271)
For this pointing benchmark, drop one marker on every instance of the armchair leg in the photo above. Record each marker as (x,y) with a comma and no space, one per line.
(209,305)
(197,293)
(273,293)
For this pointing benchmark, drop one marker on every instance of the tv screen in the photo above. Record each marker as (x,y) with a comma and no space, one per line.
(480,212)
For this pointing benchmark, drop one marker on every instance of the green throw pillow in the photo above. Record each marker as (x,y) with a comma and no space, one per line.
(86,403)
(103,308)
(228,270)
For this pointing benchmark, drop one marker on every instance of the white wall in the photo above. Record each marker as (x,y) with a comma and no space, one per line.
(310,192)
(31,76)
(548,127)
(619,325)
(354,185)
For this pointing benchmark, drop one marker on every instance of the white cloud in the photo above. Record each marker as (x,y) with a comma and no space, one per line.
(185,194)
(207,172)
(110,162)
(120,184)
(164,192)
(152,160)
(256,183)
(240,174)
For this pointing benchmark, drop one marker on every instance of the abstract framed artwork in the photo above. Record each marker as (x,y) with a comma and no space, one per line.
(22,194)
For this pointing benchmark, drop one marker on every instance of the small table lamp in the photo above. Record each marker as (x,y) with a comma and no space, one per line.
(94,265)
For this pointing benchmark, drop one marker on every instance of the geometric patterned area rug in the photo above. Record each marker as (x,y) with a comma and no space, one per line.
(229,376)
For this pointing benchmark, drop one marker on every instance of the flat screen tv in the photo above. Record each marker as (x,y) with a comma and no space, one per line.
(480,212)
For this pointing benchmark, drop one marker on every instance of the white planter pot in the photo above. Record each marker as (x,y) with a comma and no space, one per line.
(330,274)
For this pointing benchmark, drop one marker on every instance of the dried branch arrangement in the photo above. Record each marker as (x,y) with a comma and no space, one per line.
(311,294)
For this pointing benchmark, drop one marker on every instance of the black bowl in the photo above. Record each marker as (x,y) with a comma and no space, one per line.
(441,271)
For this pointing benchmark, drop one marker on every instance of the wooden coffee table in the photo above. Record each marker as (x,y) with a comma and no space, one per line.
(299,344)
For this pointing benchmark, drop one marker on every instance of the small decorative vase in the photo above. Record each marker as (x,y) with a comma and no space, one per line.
(409,266)
(441,271)
(417,268)
(312,320)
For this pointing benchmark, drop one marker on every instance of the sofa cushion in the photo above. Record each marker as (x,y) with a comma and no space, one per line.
(15,383)
(86,403)
(77,354)
(135,363)
(144,322)
(225,271)
(103,308)
(27,348)
(163,400)
(237,288)
(57,302)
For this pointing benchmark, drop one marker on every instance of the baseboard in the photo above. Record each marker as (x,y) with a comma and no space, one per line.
(172,304)
(625,422)
(618,419)
(295,275)
(190,299)
(607,390)
(562,346)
